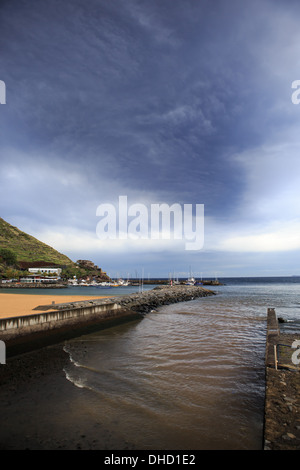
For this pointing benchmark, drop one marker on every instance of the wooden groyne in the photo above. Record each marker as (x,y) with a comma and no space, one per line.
(64,321)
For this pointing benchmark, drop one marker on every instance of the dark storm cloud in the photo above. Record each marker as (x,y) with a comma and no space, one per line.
(130,88)
(164,101)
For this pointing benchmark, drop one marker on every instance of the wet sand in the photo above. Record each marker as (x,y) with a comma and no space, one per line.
(14,305)
(39,407)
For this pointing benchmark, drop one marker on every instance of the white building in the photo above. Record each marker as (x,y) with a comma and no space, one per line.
(45,270)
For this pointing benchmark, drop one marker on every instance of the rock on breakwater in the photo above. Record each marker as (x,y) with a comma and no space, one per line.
(144,302)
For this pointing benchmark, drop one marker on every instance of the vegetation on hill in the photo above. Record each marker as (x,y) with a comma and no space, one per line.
(17,246)
(24,247)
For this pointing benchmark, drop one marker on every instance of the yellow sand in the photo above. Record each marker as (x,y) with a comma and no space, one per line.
(15,305)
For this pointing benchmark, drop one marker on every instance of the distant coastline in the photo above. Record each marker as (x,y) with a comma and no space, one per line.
(132,282)
(18,285)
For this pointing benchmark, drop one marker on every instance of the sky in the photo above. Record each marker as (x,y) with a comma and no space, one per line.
(164,102)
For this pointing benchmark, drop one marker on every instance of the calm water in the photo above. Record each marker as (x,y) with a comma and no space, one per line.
(189,376)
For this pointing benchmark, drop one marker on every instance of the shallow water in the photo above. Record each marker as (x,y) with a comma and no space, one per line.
(189,376)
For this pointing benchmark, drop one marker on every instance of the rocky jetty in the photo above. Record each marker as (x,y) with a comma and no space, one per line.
(144,302)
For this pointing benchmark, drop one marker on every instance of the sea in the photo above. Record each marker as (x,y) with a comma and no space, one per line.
(189,375)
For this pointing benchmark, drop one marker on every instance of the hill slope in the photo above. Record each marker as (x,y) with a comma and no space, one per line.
(28,248)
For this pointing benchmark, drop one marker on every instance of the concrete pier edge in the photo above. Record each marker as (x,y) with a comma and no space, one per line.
(281,427)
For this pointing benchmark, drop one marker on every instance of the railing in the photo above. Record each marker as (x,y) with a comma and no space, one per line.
(287,356)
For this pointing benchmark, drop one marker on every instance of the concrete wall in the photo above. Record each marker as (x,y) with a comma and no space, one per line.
(25,333)
(272,336)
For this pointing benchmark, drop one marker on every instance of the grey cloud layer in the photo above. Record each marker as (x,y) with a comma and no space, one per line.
(162,101)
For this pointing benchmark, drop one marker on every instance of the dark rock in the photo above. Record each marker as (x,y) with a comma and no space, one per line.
(163,295)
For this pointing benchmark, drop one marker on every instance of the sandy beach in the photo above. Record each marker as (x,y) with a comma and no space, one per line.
(13,305)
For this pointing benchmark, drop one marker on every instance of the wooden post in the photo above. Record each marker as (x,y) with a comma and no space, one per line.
(275,356)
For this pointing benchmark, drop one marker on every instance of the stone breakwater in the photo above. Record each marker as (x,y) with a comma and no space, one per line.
(58,322)
(282,399)
(150,300)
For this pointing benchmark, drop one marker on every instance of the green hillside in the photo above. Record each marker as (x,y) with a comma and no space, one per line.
(27,248)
